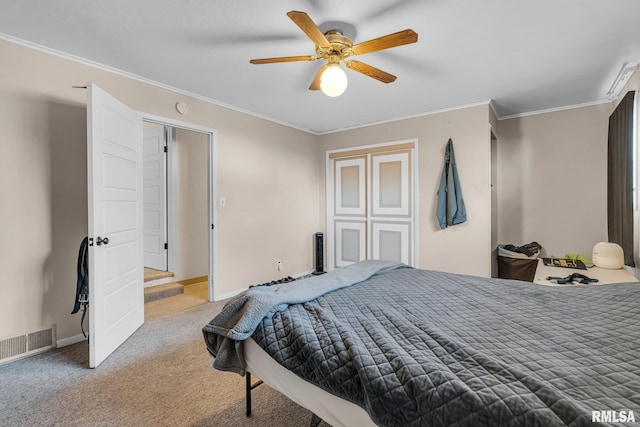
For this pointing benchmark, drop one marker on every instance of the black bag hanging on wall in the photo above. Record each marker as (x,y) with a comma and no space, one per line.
(82,285)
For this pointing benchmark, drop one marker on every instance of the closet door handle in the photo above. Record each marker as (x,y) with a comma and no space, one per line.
(100,241)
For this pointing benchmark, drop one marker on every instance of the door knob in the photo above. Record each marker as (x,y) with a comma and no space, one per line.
(100,241)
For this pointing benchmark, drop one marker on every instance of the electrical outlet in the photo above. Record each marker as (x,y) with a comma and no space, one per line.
(279,265)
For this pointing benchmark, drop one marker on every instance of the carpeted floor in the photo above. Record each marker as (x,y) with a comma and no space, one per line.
(193,295)
(200,290)
(161,376)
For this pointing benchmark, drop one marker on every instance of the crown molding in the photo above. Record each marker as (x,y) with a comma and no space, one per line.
(413,116)
(625,73)
(553,110)
(141,79)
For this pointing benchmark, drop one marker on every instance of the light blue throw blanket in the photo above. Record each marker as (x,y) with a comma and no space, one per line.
(240,317)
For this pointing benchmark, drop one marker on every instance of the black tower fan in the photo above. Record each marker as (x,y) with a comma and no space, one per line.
(319,250)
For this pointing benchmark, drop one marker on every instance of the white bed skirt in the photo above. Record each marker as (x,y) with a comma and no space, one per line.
(333,410)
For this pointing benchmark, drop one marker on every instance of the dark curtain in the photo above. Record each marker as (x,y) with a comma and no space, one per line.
(620,177)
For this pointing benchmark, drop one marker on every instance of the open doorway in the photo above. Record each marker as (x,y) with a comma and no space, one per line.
(178,214)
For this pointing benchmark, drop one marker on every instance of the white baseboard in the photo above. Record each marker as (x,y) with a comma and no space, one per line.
(70,340)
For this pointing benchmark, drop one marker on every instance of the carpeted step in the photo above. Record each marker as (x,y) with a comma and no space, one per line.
(150,274)
(154,293)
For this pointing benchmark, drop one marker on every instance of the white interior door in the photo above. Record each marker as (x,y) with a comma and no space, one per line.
(115,196)
(155,198)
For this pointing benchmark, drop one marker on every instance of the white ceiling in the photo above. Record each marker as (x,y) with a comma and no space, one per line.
(524,56)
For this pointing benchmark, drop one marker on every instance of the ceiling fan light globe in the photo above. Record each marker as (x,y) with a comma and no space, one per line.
(333,81)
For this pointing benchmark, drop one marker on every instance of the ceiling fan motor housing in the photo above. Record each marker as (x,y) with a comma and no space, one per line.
(340,46)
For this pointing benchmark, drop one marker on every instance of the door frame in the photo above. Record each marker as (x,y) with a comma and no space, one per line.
(329,192)
(212,190)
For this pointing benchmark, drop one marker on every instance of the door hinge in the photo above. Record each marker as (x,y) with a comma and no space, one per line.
(166,149)
(166,246)
(212,226)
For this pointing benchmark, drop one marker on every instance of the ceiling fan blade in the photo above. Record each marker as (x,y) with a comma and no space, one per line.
(309,27)
(370,71)
(315,84)
(385,42)
(283,59)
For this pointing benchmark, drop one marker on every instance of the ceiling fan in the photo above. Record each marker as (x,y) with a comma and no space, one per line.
(334,47)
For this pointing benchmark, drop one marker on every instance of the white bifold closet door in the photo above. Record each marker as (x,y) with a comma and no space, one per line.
(373,212)
(350,218)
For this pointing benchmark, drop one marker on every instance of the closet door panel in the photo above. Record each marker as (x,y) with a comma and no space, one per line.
(350,242)
(391,241)
(350,187)
(390,184)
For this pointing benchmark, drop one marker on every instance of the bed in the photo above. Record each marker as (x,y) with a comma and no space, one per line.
(398,346)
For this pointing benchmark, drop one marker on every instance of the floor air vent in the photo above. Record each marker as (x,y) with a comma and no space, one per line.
(27,344)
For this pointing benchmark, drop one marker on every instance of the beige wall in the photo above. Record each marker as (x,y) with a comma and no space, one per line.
(463,248)
(552,179)
(192,221)
(43,186)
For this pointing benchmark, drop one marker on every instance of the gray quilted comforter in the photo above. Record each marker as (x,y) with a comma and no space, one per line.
(417,347)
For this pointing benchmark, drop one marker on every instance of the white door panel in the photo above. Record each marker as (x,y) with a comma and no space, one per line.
(391,184)
(155,198)
(350,187)
(115,192)
(391,241)
(351,242)
(350,211)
